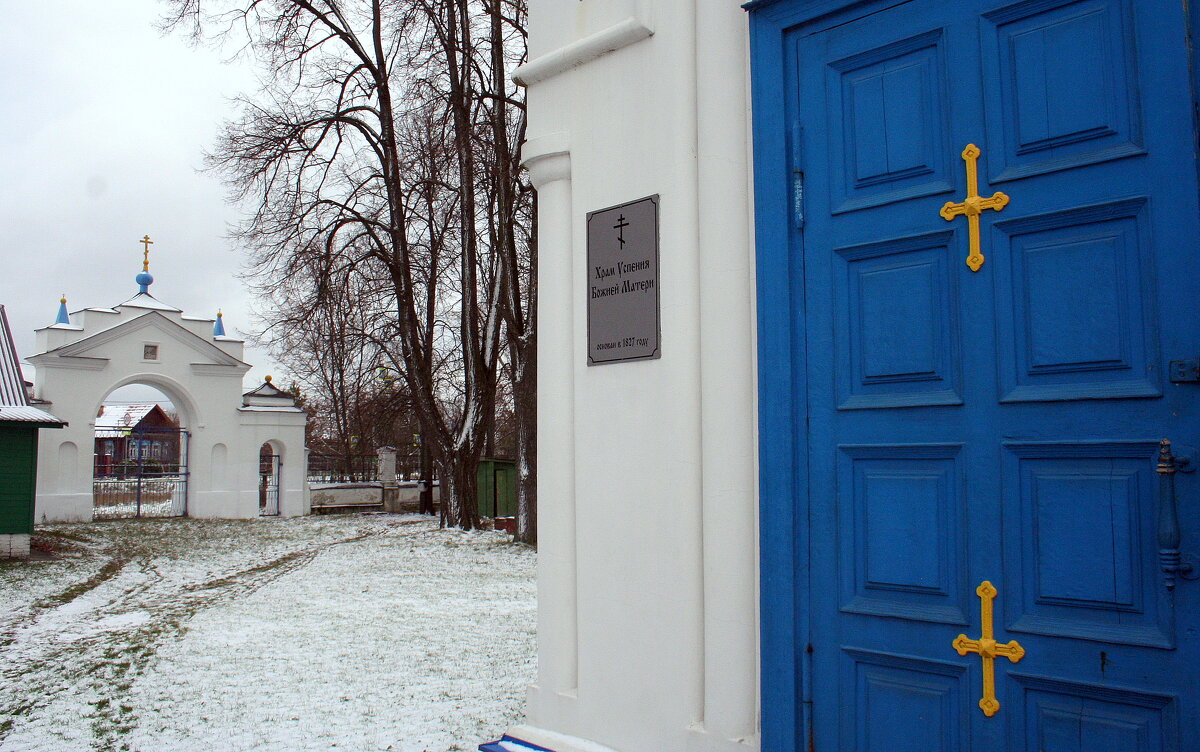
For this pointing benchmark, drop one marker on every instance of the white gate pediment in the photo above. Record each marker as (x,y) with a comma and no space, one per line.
(94,347)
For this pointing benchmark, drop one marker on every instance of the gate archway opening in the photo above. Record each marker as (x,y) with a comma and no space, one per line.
(140,455)
(269,464)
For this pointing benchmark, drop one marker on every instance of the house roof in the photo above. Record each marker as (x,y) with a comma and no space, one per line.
(267,395)
(12,384)
(14,401)
(119,420)
(29,415)
(146,300)
(267,389)
(123,416)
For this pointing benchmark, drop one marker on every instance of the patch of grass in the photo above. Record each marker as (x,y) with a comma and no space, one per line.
(106,573)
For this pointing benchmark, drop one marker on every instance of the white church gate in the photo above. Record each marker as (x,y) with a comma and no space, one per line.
(151,480)
(87,354)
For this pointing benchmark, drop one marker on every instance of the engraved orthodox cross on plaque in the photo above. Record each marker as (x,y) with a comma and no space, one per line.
(973,205)
(620,228)
(988,649)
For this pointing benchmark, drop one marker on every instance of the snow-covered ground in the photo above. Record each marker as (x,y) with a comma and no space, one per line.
(372,632)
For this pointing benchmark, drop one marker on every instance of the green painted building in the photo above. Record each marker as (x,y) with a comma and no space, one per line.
(19,426)
(497,487)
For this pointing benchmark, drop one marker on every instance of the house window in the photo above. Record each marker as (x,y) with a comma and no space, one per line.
(150,352)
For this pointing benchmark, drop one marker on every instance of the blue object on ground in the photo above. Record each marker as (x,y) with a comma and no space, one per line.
(508,743)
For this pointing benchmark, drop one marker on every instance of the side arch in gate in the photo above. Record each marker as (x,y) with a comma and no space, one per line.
(270,474)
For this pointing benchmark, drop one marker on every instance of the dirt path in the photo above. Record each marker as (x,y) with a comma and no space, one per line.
(94,637)
(372,632)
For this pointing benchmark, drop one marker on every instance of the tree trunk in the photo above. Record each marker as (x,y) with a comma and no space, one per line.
(525,404)
(426,503)
(460,491)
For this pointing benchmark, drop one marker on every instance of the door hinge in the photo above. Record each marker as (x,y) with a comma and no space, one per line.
(798,198)
(1185,371)
(798,176)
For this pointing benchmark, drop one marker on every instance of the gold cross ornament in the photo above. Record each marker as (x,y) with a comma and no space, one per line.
(973,205)
(988,649)
(147,242)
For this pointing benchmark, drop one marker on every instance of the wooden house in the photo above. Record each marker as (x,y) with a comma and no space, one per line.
(19,425)
(126,434)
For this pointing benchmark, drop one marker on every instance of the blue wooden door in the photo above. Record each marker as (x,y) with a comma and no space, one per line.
(928,427)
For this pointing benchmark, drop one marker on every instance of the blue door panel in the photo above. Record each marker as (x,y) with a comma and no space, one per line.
(903,532)
(893,689)
(887,148)
(1081,543)
(1075,304)
(1058,716)
(926,427)
(1060,80)
(880,364)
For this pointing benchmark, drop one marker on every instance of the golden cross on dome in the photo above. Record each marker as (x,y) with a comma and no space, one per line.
(973,205)
(147,242)
(988,648)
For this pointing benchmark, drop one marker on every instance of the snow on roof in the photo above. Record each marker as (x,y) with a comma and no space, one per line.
(269,395)
(270,409)
(122,418)
(267,389)
(12,384)
(146,300)
(28,415)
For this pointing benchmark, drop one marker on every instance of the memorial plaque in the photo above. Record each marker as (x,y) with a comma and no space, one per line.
(622,283)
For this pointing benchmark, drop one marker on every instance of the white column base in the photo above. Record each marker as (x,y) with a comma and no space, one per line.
(556,741)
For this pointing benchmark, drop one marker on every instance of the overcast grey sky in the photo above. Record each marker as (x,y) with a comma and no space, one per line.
(104,126)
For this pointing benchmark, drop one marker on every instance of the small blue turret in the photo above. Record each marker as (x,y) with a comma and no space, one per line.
(63,317)
(219,326)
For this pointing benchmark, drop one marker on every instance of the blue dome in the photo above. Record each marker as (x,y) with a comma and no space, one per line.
(145,279)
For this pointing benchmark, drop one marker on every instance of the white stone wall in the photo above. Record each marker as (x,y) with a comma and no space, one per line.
(14,546)
(647,583)
(358,493)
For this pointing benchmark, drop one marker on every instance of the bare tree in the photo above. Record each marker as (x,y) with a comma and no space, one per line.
(513,239)
(321,335)
(367,163)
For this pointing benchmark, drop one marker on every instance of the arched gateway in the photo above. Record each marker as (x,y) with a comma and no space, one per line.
(84,356)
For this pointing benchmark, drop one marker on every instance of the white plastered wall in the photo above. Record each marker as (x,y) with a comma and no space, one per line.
(278,427)
(80,364)
(647,584)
